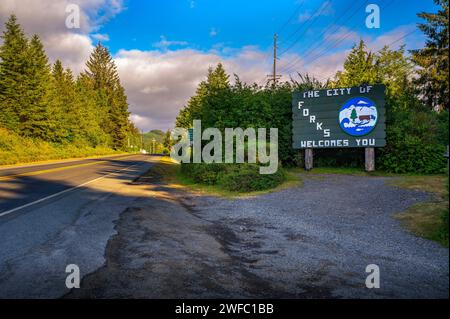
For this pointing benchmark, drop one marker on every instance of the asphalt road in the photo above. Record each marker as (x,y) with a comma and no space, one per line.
(52,215)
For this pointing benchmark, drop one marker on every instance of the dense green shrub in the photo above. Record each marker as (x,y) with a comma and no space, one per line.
(246,178)
(232,177)
(203,173)
(415,141)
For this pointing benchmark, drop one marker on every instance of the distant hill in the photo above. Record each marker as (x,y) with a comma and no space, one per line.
(158,135)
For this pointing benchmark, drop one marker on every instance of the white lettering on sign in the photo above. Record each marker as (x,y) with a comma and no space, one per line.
(324,143)
(365,89)
(326,133)
(365,142)
(305,112)
(300,104)
(319,126)
(312,119)
(333,92)
(310,94)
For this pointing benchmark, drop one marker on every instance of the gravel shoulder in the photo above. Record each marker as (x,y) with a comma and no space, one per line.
(313,241)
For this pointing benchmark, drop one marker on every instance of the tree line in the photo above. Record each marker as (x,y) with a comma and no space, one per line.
(416,102)
(49,103)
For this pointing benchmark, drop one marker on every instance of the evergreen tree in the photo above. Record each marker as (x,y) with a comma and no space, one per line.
(433,81)
(167,143)
(111,99)
(13,74)
(90,119)
(208,100)
(359,67)
(353,115)
(64,106)
(119,117)
(35,116)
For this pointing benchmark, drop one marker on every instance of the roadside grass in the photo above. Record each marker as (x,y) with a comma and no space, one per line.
(430,219)
(339,170)
(170,172)
(18,150)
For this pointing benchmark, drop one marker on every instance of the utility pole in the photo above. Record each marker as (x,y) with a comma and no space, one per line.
(274,73)
(274,76)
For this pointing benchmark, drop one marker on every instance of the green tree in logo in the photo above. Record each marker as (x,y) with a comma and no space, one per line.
(354,115)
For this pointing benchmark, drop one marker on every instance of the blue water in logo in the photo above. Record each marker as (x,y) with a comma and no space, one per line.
(358,116)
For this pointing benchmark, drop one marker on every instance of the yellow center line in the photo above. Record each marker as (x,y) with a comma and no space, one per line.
(33,173)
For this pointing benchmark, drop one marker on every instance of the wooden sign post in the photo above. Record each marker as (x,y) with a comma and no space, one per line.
(309,159)
(370,159)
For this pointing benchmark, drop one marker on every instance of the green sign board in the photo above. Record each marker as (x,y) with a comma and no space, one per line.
(337,118)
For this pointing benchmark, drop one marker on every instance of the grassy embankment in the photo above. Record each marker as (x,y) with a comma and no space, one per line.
(18,150)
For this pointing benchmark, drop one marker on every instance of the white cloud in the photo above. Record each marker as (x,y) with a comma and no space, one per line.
(325,9)
(159,83)
(47,19)
(163,43)
(212,32)
(100,37)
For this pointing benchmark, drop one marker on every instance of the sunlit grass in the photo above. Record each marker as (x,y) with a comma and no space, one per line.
(429,219)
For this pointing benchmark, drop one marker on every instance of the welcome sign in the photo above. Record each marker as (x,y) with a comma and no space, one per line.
(337,118)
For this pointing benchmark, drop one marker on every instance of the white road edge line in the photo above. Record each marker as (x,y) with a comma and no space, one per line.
(59,193)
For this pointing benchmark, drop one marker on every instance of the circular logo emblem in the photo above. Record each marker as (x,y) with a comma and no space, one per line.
(358,116)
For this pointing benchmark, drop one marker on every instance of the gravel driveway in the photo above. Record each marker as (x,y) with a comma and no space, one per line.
(313,241)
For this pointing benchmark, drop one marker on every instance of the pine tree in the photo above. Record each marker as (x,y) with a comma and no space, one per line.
(65,110)
(13,77)
(359,67)
(111,99)
(35,116)
(119,116)
(90,120)
(433,81)
(200,106)
(353,115)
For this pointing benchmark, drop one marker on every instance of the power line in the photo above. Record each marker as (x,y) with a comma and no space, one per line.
(403,37)
(388,45)
(347,34)
(335,43)
(317,45)
(267,54)
(296,11)
(317,13)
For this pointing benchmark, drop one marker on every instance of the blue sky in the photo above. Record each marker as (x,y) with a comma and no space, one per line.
(204,24)
(163,49)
